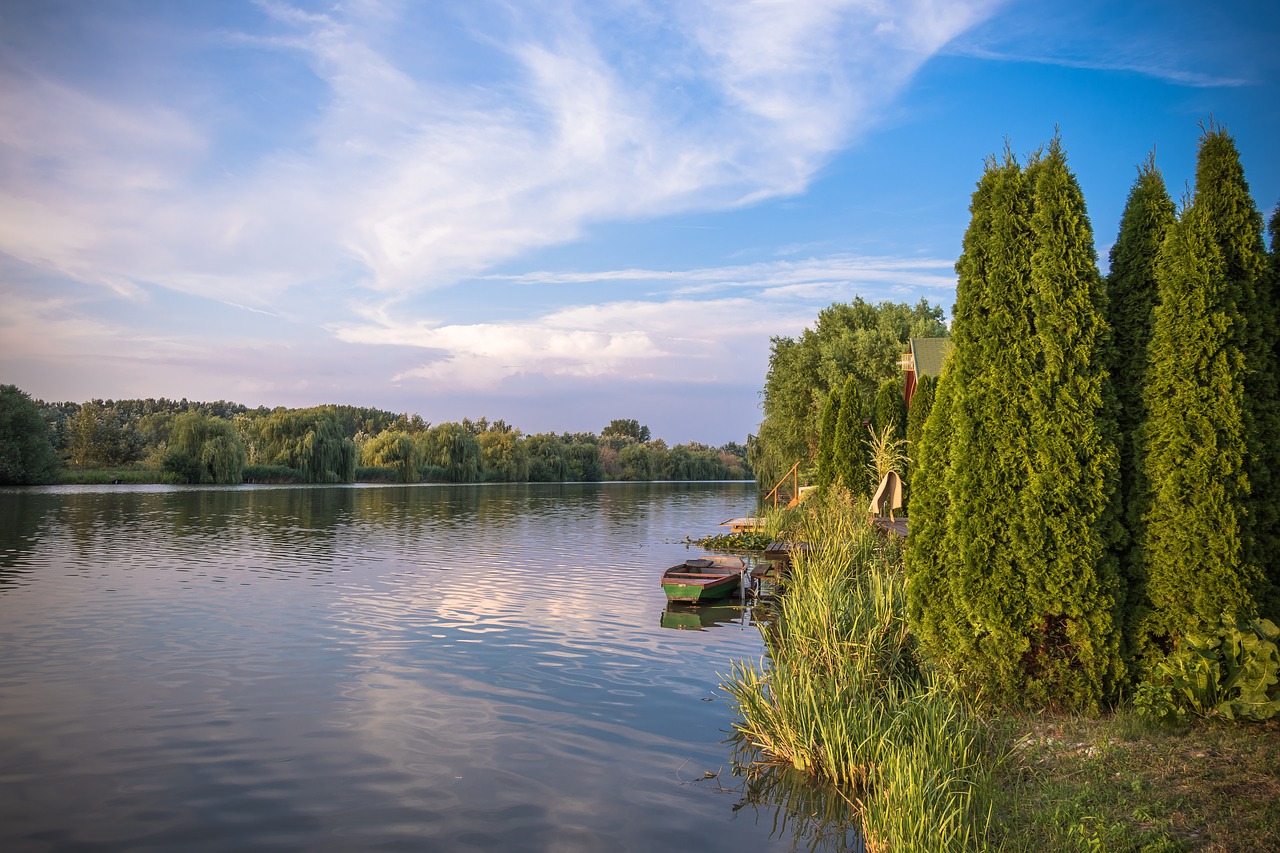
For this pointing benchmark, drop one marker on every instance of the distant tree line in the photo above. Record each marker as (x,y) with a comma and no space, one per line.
(222,442)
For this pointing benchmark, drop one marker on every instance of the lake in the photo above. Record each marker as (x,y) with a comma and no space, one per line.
(384,667)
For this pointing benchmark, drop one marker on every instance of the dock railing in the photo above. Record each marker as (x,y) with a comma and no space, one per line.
(774,493)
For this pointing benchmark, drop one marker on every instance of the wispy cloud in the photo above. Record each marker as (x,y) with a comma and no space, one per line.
(407,179)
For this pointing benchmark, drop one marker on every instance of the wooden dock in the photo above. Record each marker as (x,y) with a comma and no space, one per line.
(897,527)
(743,525)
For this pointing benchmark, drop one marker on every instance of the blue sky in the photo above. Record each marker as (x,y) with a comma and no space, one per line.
(556,213)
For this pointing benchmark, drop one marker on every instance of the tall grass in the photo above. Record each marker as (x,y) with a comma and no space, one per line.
(843,696)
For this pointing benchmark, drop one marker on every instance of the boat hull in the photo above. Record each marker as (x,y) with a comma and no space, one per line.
(707,579)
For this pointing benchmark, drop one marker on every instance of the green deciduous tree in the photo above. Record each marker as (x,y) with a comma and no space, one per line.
(205,449)
(311,441)
(856,339)
(26,448)
(397,450)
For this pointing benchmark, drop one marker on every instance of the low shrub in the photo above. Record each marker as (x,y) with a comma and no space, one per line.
(1232,672)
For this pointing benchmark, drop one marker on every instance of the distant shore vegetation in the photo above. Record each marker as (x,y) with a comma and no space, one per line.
(182,441)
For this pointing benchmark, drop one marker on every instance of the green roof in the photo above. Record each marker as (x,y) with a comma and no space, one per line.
(930,355)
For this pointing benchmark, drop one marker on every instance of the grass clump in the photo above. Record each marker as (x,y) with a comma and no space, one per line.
(842,695)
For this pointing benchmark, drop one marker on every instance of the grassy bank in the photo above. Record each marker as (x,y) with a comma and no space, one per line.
(843,697)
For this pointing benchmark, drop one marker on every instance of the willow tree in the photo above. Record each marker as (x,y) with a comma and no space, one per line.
(311,441)
(205,449)
(397,450)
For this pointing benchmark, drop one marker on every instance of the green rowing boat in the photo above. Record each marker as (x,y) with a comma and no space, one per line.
(704,579)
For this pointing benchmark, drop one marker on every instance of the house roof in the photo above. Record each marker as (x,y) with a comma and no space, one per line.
(930,355)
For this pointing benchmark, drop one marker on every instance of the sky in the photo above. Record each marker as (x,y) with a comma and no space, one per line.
(553,212)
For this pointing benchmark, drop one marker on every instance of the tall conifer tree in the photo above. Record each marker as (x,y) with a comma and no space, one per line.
(931,604)
(1210,515)
(992,357)
(1270,604)
(827,440)
(1132,297)
(1021,593)
(1194,443)
(921,405)
(1070,526)
(850,457)
(1236,227)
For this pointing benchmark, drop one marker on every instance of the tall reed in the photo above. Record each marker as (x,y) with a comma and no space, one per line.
(842,694)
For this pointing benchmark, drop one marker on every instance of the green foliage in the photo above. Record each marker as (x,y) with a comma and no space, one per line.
(844,697)
(309,440)
(1019,590)
(1231,671)
(848,449)
(1132,296)
(931,594)
(622,431)
(890,410)
(204,449)
(827,441)
(1194,536)
(397,450)
(453,449)
(26,446)
(921,405)
(856,339)
(503,456)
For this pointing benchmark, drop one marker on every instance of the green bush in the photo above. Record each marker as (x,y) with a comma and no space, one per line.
(272,474)
(1231,672)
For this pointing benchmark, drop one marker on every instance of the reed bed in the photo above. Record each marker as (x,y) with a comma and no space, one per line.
(843,696)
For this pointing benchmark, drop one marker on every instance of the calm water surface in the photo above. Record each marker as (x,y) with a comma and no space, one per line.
(348,668)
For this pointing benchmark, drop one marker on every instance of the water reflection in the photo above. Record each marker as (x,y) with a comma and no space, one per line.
(682,616)
(400,667)
(811,816)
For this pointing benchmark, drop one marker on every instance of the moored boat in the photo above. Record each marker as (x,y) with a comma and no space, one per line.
(704,579)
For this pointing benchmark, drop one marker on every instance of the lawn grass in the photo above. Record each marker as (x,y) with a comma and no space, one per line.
(1121,783)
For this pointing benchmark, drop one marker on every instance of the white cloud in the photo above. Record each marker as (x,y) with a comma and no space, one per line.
(409,180)
(703,330)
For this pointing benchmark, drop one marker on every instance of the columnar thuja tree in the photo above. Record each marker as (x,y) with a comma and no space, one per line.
(1204,453)
(1131,299)
(1013,573)
(890,409)
(921,405)
(827,440)
(1271,282)
(848,448)
(1069,515)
